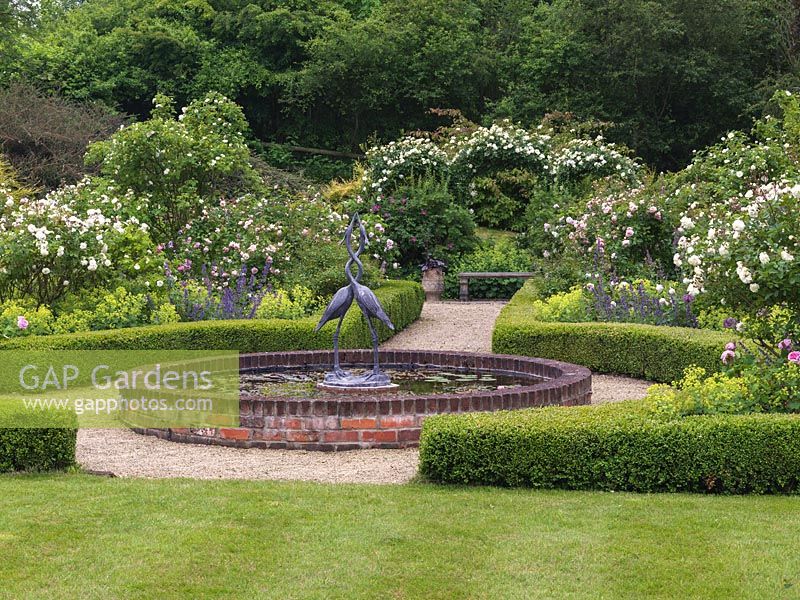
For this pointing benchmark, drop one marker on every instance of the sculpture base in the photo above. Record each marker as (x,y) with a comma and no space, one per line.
(369,381)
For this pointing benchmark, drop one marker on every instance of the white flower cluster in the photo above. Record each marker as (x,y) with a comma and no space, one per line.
(398,161)
(498,144)
(581,157)
(748,242)
(61,238)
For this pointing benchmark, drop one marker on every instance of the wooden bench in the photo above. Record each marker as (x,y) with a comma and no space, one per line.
(463,280)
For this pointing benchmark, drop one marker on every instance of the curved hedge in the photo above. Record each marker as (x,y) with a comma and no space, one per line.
(614,447)
(402,300)
(646,351)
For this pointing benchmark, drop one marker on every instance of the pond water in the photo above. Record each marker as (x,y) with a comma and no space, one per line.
(411,382)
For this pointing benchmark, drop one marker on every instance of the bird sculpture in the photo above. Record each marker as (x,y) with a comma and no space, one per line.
(370,307)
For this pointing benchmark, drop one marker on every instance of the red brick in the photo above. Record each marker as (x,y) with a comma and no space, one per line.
(379,436)
(398,421)
(408,435)
(359,423)
(302,436)
(268,435)
(234,434)
(340,436)
(292,423)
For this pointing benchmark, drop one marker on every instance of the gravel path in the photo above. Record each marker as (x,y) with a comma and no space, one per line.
(461,326)
(128,454)
(453,325)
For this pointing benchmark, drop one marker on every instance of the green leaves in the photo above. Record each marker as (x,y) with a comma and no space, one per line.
(614,447)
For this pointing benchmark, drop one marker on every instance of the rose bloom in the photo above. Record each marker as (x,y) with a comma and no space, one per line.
(794,357)
(22,322)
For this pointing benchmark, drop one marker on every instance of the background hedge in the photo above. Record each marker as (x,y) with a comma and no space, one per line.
(614,447)
(647,351)
(402,301)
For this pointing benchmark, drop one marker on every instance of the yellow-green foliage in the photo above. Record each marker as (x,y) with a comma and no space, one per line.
(299,302)
(698,394)
(40,319)
(10,187)
(570,307)
(337,193)
(402,300)
(164,313)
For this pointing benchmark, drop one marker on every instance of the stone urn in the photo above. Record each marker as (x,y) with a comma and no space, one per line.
(433,280)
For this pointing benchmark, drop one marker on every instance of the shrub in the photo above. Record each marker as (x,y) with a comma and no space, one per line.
(173,167)
(502,255)
(566,307)
(396,163)
(70,239)
(614,447)
(10,186)
(421,221)
(118,309)
(646,351)
(243,234)
(402,301)
(297,303)
(624,231)
(20,318)
(41,441)
(745,252)
(73,321)
(581,159)
(45,137)
(500,147)
(37,449)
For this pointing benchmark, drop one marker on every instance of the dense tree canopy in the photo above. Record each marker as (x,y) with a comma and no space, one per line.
(670,74)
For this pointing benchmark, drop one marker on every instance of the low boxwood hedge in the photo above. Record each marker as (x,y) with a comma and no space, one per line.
(647,351)
(614,447)
(36,441)
(402,300)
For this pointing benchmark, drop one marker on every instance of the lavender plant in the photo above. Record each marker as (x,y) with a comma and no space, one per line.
(626,303)
(234,299)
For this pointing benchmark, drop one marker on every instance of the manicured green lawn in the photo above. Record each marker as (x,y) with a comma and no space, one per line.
(81,536)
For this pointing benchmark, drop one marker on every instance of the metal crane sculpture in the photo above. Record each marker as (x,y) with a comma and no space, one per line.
(370,307)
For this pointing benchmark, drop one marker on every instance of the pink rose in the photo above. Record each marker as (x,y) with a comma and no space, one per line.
(794,357)
(22,322)
(730,346)
(727,357)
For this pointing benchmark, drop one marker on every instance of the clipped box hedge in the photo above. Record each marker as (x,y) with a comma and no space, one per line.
(614,447)
(36,441)
(37,449)
(402,300)
(646,351)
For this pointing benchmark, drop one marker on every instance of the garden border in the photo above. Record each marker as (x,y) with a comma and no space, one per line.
(402,300)
(657,353)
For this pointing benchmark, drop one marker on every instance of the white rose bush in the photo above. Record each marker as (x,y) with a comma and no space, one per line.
(744,251)
(69,239)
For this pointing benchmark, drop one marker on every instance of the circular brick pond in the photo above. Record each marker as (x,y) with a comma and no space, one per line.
(347,420)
